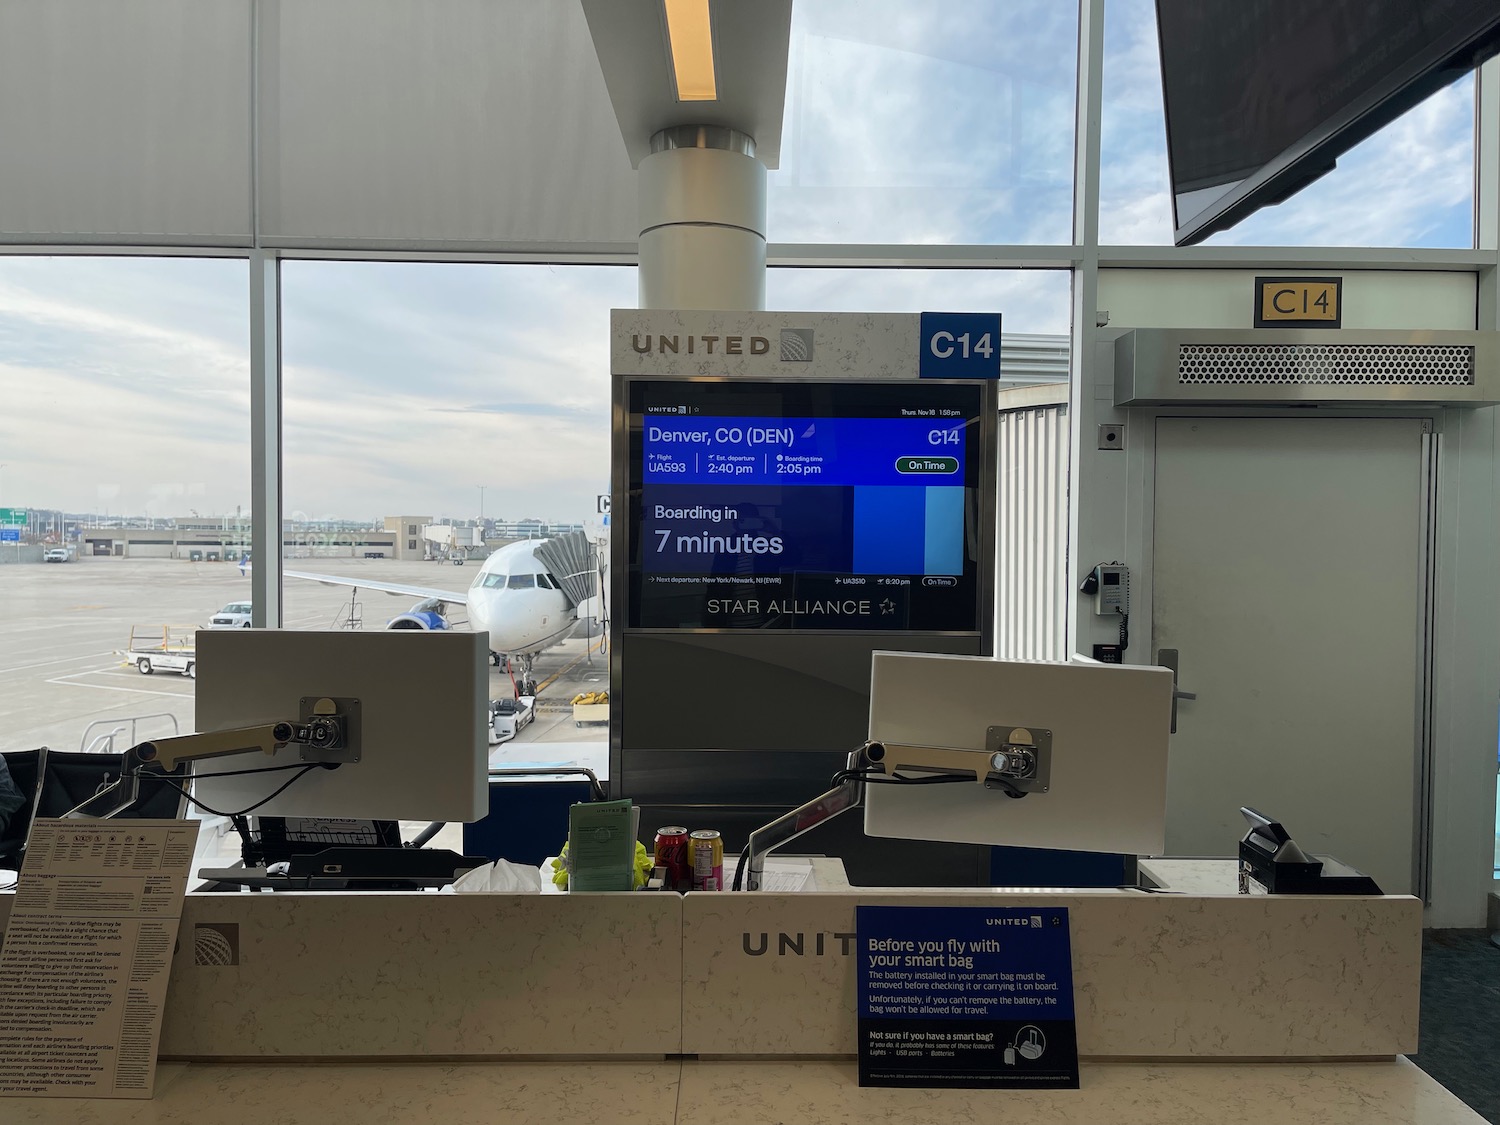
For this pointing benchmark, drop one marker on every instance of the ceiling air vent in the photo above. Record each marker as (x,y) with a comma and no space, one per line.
(1348,367)
(1363,365)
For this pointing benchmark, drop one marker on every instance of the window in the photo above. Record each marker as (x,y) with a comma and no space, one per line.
(125,436)
(462,391)
(912,121)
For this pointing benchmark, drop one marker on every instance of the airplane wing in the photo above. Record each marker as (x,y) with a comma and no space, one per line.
(395,589)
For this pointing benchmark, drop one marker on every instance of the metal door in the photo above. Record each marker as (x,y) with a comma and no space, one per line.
(1290,576)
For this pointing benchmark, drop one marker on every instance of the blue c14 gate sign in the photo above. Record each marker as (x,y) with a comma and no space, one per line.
(959,346)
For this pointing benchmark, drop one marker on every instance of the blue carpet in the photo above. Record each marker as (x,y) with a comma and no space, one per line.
(1461,1017)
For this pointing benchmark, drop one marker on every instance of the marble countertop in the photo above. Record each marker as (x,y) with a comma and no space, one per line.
(730,1093)
(1193,876)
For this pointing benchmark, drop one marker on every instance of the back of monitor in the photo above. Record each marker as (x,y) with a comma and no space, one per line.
(1107,790)
(423,720)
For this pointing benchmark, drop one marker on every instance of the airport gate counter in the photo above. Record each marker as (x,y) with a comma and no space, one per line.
(689,1008)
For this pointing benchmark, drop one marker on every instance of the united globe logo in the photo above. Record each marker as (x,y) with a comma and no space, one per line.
(216,943)
(796,345)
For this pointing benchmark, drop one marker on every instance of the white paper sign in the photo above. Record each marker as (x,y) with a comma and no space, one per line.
(87,955)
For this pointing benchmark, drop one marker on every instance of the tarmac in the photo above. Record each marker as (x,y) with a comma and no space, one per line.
(64,682)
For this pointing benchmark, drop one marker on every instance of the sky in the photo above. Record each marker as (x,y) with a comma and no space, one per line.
(411,387)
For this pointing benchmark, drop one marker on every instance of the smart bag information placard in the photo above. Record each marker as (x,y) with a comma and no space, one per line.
(966,996)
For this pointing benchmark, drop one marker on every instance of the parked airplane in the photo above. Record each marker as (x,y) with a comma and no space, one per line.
(528,595)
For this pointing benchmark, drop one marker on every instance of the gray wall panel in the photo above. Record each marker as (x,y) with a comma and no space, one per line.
(1032,544)
(381,121)
(125,122)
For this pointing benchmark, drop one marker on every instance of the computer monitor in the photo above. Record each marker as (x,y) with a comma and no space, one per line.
(422,707)
(276,839)
(1101,731)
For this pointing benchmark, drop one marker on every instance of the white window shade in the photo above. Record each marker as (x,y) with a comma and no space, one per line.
(125,123)
(383,124)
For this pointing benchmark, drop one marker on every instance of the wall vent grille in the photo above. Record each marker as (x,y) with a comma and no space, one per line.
(1343,364)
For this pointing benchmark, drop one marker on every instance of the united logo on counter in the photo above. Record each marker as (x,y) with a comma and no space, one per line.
(965,996)
(216,943)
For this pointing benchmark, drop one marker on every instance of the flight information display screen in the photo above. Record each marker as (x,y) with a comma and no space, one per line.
(817,506)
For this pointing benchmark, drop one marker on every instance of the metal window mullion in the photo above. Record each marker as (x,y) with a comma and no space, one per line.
(1425,781)
(1086,147)
(265,440)
(1487,156)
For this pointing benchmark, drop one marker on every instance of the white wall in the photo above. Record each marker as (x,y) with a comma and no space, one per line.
(1224,298)
(1112,521)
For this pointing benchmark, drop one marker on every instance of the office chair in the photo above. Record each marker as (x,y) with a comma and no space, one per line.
(25,770)
(71,777)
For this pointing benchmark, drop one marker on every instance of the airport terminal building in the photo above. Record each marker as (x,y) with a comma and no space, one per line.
(1024,642)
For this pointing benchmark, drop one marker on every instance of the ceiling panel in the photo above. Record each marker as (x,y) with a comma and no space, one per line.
(437,124)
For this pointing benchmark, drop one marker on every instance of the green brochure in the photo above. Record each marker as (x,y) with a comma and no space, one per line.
(601,846)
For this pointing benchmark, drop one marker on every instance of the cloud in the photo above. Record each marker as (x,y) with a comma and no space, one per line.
(126,384)
(110,401)
(448,377)
(1028,300)
(525,409)
(939,123)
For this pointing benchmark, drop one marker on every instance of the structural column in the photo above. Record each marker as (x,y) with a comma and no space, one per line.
(265,440)
(703,221)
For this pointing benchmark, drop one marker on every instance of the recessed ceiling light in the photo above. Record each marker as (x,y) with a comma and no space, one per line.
(690,37)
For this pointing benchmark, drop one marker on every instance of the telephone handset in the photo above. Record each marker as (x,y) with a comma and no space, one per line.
(1110,585)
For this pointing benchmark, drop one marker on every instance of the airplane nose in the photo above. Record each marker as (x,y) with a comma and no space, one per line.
(482,611)
(504,618)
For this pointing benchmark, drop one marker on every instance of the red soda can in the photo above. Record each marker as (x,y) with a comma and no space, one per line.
(672,853)
(708,860)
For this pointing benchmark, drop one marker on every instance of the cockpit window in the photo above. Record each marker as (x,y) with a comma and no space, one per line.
(494,582)
(544,582)
(521,582)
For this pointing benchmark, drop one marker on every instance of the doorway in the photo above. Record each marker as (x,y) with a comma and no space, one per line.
(1291,574)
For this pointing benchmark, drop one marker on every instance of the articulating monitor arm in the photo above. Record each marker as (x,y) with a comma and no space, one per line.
(1015,761)
(788,826)
(323,734)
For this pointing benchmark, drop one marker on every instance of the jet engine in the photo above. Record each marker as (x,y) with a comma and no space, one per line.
(429,615)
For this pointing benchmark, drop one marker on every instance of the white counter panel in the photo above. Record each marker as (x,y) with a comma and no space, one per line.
(1155,975)
(331,975)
